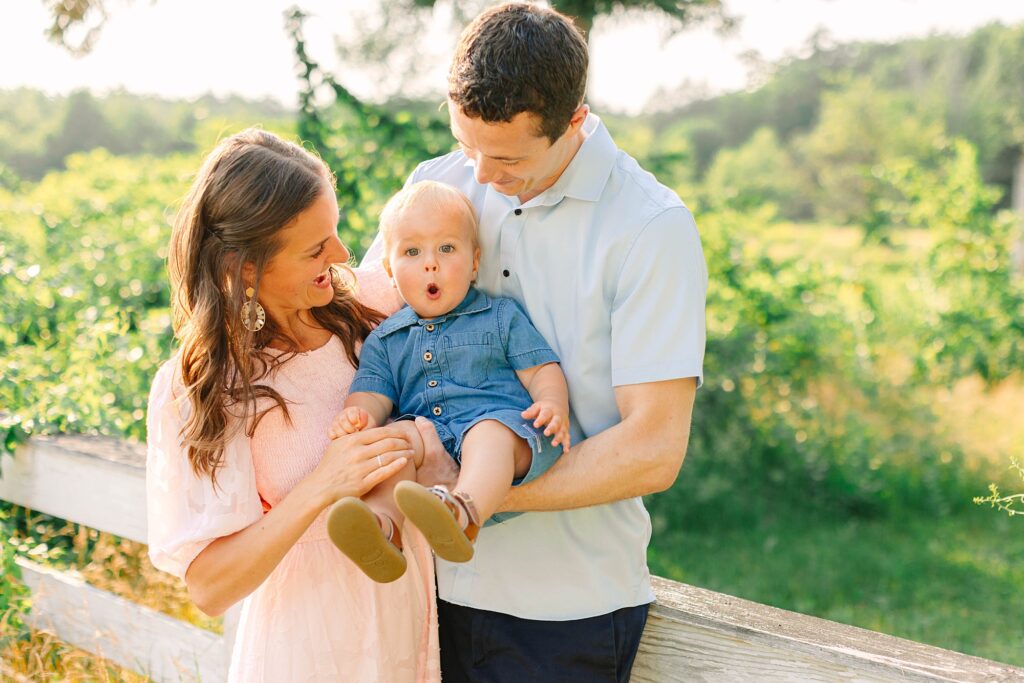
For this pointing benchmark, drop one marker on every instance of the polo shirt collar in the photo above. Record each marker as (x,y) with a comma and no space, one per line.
(587,174)
(474,302)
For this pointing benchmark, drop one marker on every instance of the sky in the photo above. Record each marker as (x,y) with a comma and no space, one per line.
(185,48)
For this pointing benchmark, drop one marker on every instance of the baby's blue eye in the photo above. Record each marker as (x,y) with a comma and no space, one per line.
(447,248)
(412,251)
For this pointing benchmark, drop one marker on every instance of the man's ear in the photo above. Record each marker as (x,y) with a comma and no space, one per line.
(578,117)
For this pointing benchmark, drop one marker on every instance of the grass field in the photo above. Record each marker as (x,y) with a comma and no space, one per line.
(955,582)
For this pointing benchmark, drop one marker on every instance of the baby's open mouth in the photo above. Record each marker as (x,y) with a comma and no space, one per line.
(433,290)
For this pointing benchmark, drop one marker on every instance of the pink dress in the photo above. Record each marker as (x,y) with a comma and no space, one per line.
(316,617)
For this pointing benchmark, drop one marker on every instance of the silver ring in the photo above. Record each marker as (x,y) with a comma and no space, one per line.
(380,461)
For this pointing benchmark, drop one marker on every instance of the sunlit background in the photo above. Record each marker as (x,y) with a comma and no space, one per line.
(851,165)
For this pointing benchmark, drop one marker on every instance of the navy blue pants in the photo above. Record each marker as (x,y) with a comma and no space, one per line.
(478,646)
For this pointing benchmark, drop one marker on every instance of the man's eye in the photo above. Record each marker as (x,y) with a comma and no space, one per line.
(447,248)
(412,251)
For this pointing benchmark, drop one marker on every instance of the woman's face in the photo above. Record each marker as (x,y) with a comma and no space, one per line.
(298,277)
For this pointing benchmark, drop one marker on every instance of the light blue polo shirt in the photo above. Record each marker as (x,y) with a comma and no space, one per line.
(608,264)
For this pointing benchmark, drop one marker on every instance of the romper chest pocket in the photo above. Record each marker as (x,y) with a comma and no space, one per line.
(468,357)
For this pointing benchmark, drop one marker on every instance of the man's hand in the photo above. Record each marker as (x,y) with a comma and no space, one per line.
(556,416)
(349,421)
(438,467)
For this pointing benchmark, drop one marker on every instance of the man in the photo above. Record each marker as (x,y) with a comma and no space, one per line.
(609,266)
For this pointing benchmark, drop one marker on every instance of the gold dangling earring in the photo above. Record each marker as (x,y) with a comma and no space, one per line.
(253,324)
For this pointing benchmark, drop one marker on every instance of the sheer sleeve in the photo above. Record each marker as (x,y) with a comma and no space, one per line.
(376,289)
(184,512)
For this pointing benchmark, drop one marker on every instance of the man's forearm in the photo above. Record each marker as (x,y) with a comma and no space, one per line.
(640,455)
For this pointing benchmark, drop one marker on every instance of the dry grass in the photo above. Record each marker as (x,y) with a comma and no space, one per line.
(40,656)
(112,564)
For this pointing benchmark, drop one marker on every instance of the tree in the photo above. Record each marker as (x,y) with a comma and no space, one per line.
(758,173)
(76,23)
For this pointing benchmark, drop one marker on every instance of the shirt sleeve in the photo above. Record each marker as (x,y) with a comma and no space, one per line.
(185,513)
(374,374)
(525,347)
(657,319)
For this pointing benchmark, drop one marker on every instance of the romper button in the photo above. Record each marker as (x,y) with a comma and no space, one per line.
(430,327)
(505,272)
(519,212)
(428,356)
(436,410)
(432,383)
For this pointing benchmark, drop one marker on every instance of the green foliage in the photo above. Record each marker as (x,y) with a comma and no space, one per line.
(370,149)
(1005,503)
(859,128)
(798,403)
(760,172)
(14,596)
(976,312)
(968,86)
(84,294)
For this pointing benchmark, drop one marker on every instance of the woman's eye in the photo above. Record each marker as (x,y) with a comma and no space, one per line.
(319,251)
(447,248)
(412,251)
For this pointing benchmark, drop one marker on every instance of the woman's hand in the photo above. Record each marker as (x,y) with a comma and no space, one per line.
(355,463)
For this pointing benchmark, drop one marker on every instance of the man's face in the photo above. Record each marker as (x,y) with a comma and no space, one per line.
(513,157)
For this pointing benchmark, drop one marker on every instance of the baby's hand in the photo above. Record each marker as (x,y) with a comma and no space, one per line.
(555,416)
(349,421)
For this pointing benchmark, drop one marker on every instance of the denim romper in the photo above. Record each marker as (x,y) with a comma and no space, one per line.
(459,369)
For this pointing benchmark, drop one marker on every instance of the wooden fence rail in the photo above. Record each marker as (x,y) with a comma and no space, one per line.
(692,634)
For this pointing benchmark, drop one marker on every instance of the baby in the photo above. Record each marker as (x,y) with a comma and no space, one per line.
(473,364)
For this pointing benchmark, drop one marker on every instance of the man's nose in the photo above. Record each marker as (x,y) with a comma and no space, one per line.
(486,170)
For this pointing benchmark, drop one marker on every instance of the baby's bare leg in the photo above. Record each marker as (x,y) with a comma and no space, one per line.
(492,454)
(381,498)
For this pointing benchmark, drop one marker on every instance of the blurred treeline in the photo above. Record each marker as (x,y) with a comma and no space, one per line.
(863,313)
(39,131)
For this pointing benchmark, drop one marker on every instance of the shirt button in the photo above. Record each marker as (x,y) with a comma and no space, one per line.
(432,383)
(505,272)
(519,212)
(428,356)
(436,410)
(430,327)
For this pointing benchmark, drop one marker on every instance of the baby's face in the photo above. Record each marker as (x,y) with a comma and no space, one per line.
(431,258)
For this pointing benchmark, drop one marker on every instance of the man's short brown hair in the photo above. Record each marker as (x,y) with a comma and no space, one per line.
(517,58)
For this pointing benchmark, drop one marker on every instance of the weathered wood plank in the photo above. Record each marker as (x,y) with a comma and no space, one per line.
(693,634)
(128,634)
(699,635)
(94,481)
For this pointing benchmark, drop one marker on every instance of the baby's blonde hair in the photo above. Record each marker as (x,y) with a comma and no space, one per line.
(430,195)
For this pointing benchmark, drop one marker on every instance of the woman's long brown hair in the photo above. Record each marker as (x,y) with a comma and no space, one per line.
(248,189)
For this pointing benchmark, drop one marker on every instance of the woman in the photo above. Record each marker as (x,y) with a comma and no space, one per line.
(240,470)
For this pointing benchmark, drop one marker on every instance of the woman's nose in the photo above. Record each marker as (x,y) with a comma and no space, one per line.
(339,254)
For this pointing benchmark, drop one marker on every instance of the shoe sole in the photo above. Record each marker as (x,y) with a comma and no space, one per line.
(434,520)
(354,529)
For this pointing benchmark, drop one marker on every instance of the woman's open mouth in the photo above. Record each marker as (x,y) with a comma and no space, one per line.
(433,291)
(323,281)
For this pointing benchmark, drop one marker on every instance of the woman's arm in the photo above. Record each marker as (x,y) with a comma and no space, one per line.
(232,567)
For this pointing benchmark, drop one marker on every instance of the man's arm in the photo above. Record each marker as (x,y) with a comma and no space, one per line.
(641,454)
